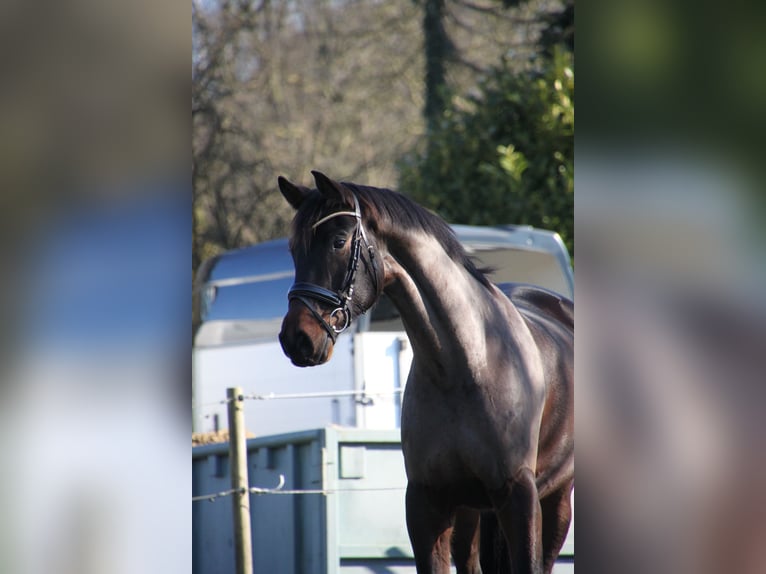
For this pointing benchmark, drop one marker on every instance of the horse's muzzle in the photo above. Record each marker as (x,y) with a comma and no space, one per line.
(303,339)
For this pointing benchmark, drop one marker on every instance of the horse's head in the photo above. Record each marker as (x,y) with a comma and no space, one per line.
(338,272)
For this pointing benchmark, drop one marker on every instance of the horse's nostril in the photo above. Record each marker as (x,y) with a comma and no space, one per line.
(297,345)
(303,344)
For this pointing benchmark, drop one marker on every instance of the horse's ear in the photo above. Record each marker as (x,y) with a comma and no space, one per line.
(331,189)
(294,194)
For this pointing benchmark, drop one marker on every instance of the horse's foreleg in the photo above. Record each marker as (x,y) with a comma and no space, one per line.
(518,510)
(557,514)
(429,524)
(465,541)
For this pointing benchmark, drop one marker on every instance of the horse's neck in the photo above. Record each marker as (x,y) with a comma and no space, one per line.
(444,309)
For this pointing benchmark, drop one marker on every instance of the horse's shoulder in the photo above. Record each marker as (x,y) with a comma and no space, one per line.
(537,300)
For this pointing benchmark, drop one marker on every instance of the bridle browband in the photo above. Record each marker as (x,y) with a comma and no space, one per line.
(340,299)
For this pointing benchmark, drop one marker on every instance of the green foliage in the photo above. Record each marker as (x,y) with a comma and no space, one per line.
(507,156)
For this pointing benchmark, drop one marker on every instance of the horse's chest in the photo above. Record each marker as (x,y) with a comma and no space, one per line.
(432,451)
(440,444)
(464,435)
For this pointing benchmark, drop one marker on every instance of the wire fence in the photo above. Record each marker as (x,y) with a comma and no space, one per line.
(315,395)
(279,489)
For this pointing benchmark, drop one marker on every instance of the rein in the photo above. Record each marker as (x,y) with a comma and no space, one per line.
(340,300)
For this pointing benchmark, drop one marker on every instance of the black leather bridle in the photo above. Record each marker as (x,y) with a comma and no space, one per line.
(341,299)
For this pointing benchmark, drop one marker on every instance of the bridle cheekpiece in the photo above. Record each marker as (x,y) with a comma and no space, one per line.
(341,299)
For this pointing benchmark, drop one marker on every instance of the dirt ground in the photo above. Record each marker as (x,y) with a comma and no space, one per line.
(213,437)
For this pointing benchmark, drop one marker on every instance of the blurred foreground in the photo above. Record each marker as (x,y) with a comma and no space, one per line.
(671,340)
(94,245)
(94,407)
(671,284)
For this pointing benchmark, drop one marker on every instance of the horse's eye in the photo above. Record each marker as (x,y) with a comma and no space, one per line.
(339,242)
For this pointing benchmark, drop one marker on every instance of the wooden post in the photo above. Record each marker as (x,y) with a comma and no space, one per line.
(238,463)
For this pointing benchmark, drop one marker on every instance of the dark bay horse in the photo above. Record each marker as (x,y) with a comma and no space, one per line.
(488,410)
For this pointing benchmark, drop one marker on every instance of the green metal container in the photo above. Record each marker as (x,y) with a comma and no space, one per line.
(354,525)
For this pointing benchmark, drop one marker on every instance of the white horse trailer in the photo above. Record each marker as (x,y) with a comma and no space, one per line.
(243,297)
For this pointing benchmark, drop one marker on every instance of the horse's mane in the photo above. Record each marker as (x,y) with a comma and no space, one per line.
(395,209)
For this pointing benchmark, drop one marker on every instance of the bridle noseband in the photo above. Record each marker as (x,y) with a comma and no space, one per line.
(340,299)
